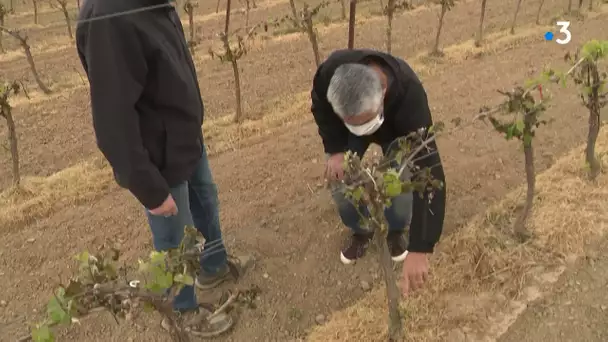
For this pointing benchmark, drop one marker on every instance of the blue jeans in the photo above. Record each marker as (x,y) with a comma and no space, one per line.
(398,215)
(198,205)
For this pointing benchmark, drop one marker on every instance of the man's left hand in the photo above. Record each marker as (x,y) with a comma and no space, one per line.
(415,272)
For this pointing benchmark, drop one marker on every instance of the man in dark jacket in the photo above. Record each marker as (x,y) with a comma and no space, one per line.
(361,97)
(147,114)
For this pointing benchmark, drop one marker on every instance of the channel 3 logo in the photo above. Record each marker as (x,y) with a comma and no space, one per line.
(563,29)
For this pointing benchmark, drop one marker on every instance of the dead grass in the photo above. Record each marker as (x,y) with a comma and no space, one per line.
(222,134)
(40,196)
(479,270)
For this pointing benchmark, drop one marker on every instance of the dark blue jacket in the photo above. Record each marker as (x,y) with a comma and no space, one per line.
(145,98)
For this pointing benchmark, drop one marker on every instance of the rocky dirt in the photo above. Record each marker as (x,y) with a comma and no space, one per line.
(575,310)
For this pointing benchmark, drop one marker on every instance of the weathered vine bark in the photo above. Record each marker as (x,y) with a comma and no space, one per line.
(12,138)
(294,13)
(237,91)
(515,17)
(444,10)
(68,21)
(482,17)
(390,11)
(343,9)
(540,7)
(520,223)
(235,67)
(6,113)
(247,10)
(2,14)
(395,324)
(28,55)
(312,35)
(593,102)
(189,9)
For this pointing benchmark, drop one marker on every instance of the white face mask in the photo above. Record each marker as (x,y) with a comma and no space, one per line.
(367,128)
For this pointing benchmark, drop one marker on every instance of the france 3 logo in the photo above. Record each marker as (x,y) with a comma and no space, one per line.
(566,35)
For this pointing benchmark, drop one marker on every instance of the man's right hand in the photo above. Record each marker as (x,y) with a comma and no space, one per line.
(168,208)
(335,167)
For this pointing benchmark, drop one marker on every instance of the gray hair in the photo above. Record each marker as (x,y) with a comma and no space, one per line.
(354,89)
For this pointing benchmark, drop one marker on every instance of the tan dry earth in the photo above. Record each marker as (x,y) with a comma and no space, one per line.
(272,206)
(575,310)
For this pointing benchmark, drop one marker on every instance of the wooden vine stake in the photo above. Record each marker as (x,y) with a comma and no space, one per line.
(351,23)
(35,4)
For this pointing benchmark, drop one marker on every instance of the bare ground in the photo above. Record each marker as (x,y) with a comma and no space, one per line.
(576,309)
(270,191)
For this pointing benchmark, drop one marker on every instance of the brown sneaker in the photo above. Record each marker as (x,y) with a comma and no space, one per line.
(199,323)
(356,248)
(206,281)
(397,246)
(234,269)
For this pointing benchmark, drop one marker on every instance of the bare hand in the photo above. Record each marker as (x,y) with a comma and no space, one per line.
(335,167)
(168,208)
(415,272)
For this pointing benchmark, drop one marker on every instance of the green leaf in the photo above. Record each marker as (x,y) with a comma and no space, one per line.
(157,257)
(184,279)
(42,333)
(83,257)
(392,183)
(55,308)
(510,131)
(520,125)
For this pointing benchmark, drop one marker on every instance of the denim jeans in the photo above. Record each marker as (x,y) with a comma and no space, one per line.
(398,215)
(198,205)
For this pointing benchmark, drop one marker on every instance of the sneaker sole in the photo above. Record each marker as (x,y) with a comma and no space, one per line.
(210,286)
(400,258)
(216,333)
(345,260)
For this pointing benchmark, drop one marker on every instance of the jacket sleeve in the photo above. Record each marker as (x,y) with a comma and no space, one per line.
(117,70)
(428,211)
(331,129)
